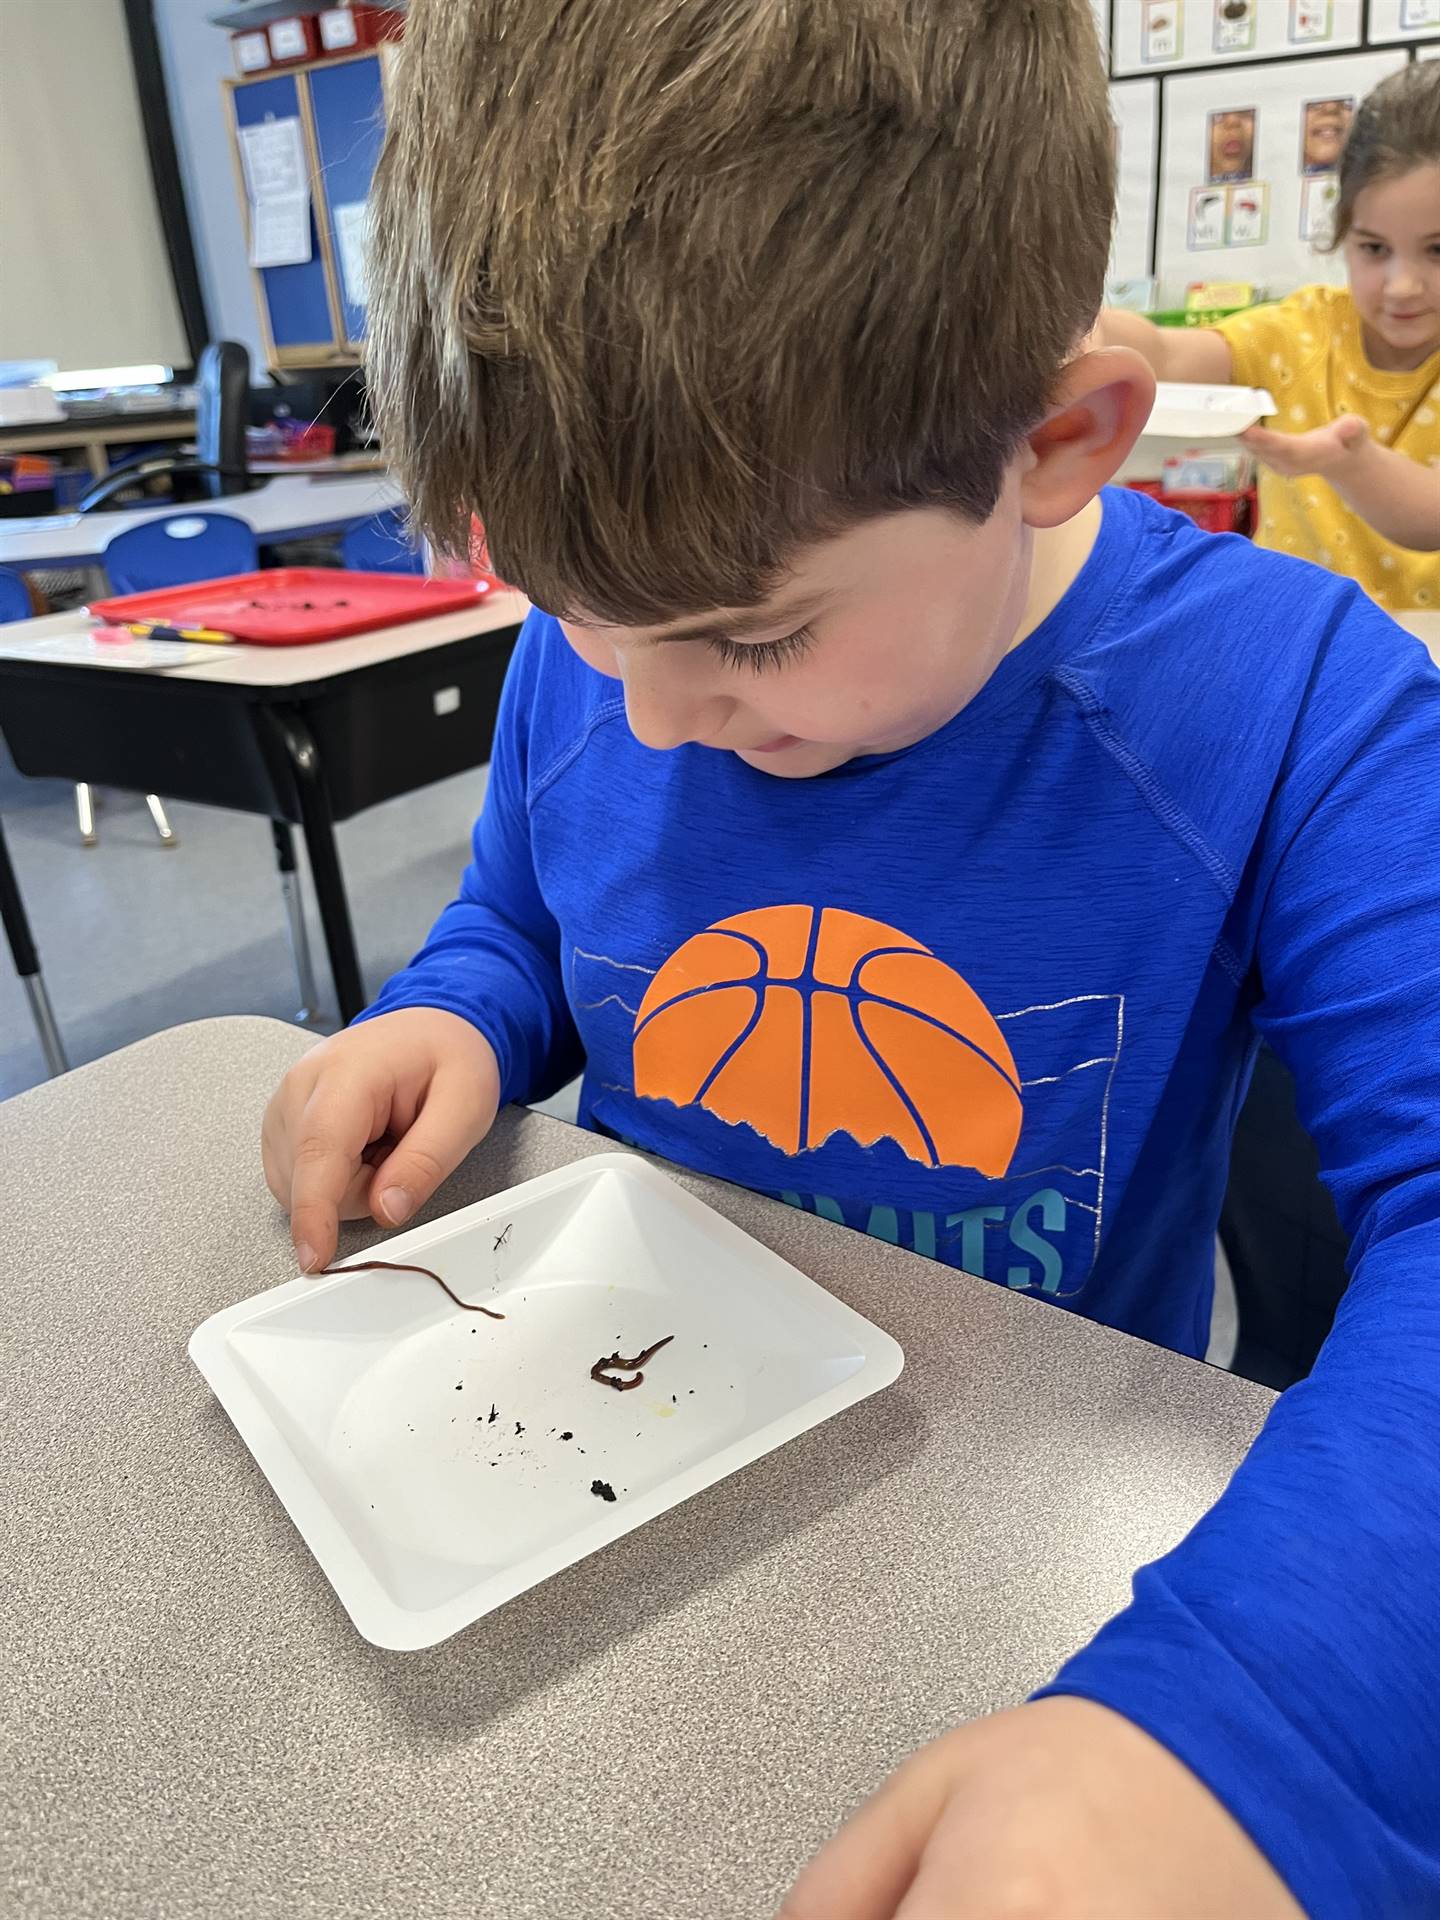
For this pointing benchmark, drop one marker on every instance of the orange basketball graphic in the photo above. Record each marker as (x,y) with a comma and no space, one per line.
(803,1024)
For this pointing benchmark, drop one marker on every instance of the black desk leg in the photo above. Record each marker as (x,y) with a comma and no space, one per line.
(27,962)
(319,826)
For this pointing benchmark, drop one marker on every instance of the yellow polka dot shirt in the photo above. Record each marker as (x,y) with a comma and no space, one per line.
(1309,352)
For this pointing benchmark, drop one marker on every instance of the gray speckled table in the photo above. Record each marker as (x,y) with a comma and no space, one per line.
(667,1730)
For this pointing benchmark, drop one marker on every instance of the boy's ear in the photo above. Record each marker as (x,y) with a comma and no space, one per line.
(1104,400)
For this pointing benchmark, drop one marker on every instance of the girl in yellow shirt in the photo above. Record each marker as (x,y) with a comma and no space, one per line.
(1352,460)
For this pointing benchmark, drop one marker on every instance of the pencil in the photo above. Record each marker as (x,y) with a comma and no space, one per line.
(161,630)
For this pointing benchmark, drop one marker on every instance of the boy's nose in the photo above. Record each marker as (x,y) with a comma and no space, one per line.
(663,717)
(1403,282)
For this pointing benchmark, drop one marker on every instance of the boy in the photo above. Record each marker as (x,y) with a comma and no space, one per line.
(887,820)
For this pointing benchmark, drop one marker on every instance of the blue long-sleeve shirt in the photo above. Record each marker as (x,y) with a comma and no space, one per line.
(995,998)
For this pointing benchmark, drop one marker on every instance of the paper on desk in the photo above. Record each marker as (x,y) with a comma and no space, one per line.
(280,230)
(97,650)
(352,241)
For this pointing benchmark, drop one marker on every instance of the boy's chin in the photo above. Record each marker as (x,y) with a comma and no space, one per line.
(802,761)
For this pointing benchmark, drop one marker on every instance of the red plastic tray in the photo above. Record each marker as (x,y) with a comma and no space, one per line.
(293,606)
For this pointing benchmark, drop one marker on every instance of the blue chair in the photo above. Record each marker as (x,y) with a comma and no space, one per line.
(14,596)
(178,549)
(381,544)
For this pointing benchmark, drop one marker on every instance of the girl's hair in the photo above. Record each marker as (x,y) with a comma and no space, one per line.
(662,289)
(1396,127)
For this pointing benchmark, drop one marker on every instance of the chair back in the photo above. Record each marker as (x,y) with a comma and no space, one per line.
(222,410)
(14,596)
(181,548)
(382,544)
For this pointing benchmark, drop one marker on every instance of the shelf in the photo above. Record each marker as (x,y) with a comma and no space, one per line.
(259,13)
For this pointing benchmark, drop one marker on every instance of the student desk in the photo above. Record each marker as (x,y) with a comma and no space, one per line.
(292,506)
(667,1729)
(310,735)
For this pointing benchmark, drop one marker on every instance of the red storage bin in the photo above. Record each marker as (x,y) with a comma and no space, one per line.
(1208,507)
(251,51)
(350,29)
(293,39)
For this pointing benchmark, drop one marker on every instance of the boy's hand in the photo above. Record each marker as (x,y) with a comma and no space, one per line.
(1059,1809)
(373,1120)
(1324,450)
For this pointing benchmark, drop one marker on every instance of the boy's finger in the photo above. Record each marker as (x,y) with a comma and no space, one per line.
(333,1132)
(865,1871)
(447,1126)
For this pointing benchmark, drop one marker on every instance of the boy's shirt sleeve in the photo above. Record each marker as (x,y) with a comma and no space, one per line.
(493,956)
(1288,1650)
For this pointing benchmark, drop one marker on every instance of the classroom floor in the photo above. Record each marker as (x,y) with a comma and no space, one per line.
(134,938)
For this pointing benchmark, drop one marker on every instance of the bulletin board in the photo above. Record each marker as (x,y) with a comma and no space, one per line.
(1403,20)
(1157,36)
(1247,176)
(1135,105)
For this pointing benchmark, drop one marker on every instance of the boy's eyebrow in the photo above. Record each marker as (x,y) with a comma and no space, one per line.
(738,625)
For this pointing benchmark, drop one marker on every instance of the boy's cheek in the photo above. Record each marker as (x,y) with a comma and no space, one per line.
(592,649)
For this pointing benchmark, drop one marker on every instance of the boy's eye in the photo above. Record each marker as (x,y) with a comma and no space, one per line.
(1373,247)
(771,653)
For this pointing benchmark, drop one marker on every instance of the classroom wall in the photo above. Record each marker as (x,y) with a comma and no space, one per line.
(1168,76)
(1221,110)
(197,58)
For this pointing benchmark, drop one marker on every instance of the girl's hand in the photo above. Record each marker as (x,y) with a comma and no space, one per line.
(1325,451)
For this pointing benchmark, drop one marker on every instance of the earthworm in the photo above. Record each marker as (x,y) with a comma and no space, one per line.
(615,1363)
(395,1266)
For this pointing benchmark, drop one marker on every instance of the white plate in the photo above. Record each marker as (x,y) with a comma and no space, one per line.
(366,1399)
(1189,411)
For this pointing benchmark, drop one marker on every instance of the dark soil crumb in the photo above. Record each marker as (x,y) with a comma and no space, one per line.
(494,1416)
(602,1489)
(458,1385)
(567,1436)
(518,1429)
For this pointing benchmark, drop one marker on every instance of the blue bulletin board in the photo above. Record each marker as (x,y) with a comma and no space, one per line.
(296,299)
(348,106)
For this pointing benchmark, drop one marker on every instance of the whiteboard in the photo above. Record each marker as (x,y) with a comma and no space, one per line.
(1135,105)
(1245,190)
(1162,36)
(1404,20)
(84,274)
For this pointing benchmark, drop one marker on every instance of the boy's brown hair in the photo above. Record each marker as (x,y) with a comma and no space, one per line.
(1396,127)
(662,289)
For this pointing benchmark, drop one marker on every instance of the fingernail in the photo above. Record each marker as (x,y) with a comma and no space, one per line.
(396,1205)
(305,1254)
